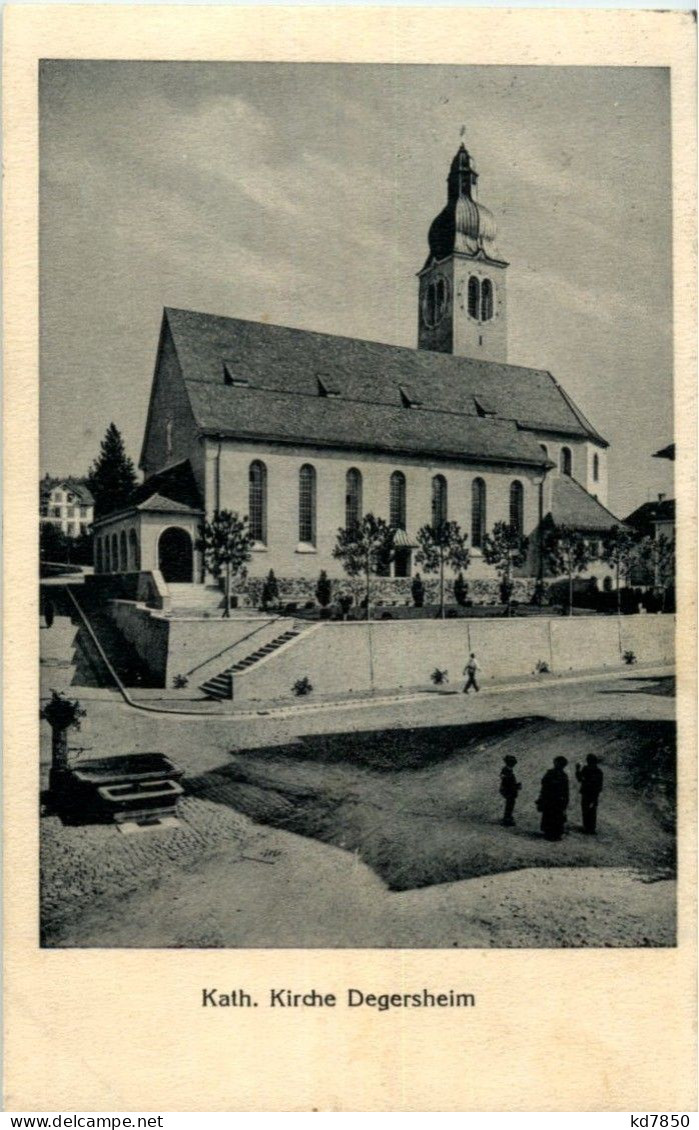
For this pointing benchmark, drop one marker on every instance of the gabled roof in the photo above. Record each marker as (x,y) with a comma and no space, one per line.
(644,517)
(173,490)
(281,400)
(77,486)
(572,505)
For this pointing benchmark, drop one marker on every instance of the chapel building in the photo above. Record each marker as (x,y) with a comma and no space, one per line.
(304,432)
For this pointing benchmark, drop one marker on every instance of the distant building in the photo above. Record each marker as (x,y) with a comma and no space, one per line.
(653,519)
(66,504)
(306,432)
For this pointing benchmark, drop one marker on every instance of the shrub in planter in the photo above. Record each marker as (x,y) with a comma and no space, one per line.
(460,589)
(323,590)
(417,589)
(302,686)
(630,658)
(439,677)
(270,589)
(345,603)
(180,681)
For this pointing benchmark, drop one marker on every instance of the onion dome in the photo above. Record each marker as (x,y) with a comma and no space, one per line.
(463,225)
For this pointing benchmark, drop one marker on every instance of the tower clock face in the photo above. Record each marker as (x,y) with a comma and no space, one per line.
(435,301)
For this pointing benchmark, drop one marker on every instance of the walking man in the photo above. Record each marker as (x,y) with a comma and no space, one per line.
(591,781)
(553,800)
(509,788)
(471,670)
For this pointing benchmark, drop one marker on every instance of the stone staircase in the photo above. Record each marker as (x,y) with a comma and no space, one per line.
(221,686)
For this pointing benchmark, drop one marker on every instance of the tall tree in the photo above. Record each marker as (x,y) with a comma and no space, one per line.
(440,545)
(225,543)
(506,549)
(567,553)
(364,548)
(112,477)
(620,551)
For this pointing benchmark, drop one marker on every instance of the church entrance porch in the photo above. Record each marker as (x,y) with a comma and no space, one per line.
(175,556)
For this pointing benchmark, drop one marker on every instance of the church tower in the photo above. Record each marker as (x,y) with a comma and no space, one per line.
(462,299)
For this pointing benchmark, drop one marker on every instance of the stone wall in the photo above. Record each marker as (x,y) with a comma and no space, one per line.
(384,590)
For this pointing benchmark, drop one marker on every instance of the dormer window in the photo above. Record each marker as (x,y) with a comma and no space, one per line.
(326,387)
(232,376)
(408,399)
(484,407)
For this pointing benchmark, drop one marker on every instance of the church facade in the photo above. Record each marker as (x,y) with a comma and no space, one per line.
(305,432)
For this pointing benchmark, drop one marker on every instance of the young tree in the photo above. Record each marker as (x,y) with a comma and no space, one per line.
(567,553)
(365,548)
(112,477)
(440,545)
(620,550)
(505,548)
(225,543)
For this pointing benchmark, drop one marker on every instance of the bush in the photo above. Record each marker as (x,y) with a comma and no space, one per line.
(345,603)
(417,589)
(302,686)
(309,604)
(386,615)
(325,614)
(180,681)
(506,588)
(323,590)
(542,667)
(439,677)
(291,606)
(461,590)
(270,590)
(630,658)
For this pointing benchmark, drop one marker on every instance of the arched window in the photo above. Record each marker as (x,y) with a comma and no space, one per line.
(595,467)
(477,513)
(123,557)
(107,561)
(439,500)
(566,461)
(307,505)
(486,300)
(115,554)
(134,552)
(98,555)
(474,296)
(397,516)
(353,498)
(517,506)
(257,501)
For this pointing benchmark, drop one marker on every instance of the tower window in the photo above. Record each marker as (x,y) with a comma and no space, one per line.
(486,300)
(435,300)
(257,501)
(397,509)
(566,461)
(353,498)
(307,505)
(439,500)
(477,513)
(517,506)
(595,467)
(474,296)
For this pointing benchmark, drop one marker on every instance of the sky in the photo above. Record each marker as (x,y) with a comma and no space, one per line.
(302,194)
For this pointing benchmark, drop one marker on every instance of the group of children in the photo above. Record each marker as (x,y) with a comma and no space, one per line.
(553,798)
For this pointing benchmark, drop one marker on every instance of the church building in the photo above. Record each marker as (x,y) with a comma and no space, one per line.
(304,432)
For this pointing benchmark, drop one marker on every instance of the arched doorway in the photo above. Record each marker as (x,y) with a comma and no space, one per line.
(175,557)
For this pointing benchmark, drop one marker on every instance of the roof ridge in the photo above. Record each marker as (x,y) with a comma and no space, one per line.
(358,340)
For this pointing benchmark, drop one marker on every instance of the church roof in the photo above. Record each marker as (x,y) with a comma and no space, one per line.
(572,505)
(255,380)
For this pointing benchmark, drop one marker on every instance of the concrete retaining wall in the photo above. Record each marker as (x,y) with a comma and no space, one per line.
(384,655)
(175,647)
